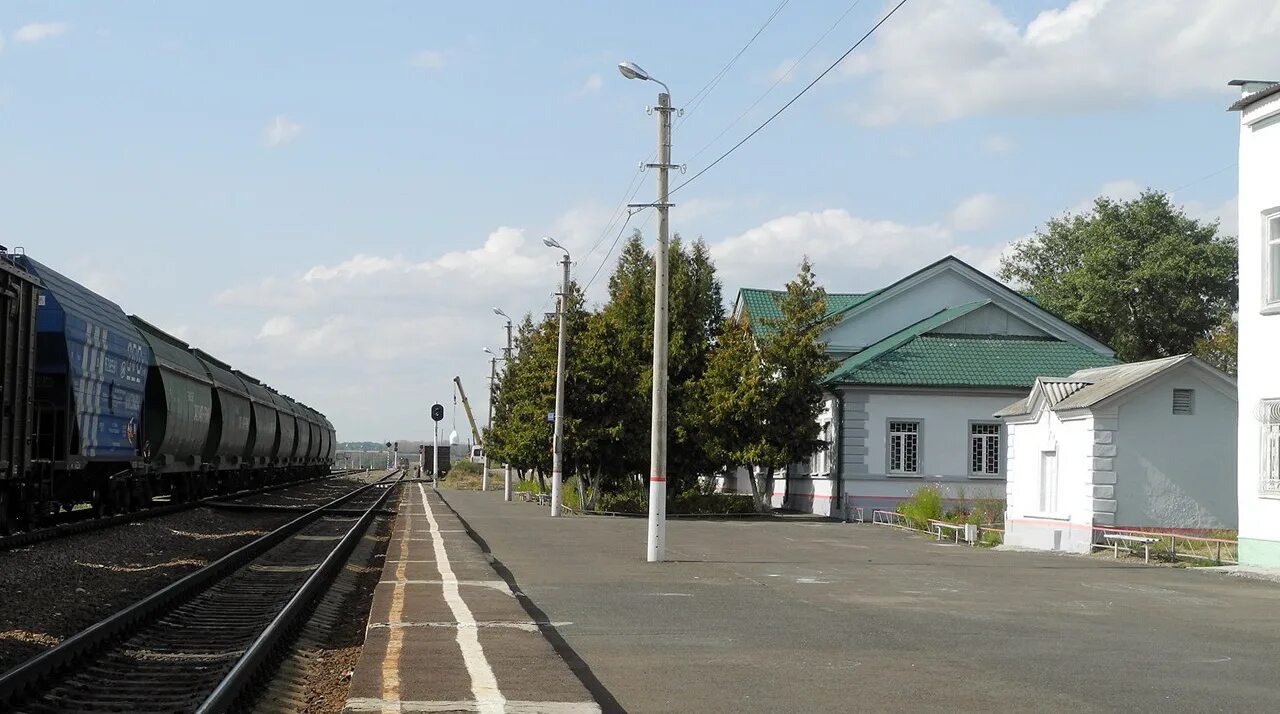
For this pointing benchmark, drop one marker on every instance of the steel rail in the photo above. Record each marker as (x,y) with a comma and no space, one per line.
(28,675)
(259,654)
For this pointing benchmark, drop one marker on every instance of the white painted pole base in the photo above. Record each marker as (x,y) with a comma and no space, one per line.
(506,482)
(555,494)
(657,519)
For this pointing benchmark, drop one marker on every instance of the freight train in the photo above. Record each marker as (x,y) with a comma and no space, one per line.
(106,410)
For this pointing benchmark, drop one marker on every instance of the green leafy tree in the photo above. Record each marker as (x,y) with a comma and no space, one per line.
(735,402)
(795,361)
(1218,348)
(1140,275)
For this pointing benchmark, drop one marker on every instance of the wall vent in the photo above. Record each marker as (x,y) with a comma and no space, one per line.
(1184,401)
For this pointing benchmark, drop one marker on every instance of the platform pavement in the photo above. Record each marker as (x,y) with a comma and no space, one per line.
(447,634)
(786,616)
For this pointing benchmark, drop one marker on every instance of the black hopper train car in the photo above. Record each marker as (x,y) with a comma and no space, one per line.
(108,410)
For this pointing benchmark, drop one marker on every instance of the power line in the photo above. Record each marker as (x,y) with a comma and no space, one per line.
(696,101)
(809,86)
(1206,177)
(781,78)
(611,247)
(714,81)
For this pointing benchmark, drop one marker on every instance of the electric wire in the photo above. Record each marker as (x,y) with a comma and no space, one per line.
(793,100)
(711,84)
(695,101)
(781,78)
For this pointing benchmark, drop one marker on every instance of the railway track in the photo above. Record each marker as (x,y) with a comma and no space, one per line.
(198,644)
(87,524)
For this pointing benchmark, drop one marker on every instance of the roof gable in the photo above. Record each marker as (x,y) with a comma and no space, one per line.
(975,285)
(1089,388)
(920,355)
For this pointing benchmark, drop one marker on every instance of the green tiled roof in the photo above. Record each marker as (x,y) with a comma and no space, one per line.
(913,357)
(761,304)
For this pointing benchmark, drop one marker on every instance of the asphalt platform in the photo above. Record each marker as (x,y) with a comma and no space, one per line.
(796,615)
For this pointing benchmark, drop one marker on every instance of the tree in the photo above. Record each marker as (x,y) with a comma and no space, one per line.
(1140,275)
(795,361)
(731,387)
(1218,348)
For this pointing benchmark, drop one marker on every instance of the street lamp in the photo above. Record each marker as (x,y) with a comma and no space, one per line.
(658,426)
(557,441)
(506,468)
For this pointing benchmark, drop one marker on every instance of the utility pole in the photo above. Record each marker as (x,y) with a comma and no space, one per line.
(506,356)
(557,441)
(658,427)
(493,376)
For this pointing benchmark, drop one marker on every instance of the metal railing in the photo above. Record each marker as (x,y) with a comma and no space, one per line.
(1176,546)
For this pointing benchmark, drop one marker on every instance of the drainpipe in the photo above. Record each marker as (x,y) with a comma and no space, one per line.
(837,449)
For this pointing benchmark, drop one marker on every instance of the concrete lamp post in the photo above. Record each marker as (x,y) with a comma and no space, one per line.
(557,440)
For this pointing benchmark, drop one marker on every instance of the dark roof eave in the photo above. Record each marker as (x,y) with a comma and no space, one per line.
(1249,99)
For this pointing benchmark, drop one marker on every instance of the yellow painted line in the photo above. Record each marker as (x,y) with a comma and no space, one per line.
(395,643)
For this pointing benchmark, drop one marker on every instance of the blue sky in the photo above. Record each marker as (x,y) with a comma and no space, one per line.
(276,182)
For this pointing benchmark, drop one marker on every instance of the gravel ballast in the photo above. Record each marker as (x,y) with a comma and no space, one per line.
(53,589)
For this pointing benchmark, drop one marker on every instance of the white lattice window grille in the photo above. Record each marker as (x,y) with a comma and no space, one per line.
(1271,260)
(1269,416)
(984,449)
(820,463)
(1184,401)
(904,447)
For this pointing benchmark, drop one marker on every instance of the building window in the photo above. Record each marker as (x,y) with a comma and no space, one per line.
(1271,261)
(1184,401)
(984,449)
(820,463)
(904,447)
(1269,416)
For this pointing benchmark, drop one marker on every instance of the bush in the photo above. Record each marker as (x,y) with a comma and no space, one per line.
(924,505)
(466,467)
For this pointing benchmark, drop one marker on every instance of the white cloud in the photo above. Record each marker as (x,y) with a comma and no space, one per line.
(277,326)
(1119,190)
(428,60)
(34,32)
(849,253)
(1227,214)
(997,144)
(280,131)
(944,60)
(975,212)
(591,85)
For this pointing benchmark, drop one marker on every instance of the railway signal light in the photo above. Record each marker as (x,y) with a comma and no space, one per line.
(437,412)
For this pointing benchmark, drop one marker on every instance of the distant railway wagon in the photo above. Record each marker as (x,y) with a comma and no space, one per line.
(106,409)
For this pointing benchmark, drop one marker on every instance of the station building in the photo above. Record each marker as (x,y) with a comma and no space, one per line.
(924,363)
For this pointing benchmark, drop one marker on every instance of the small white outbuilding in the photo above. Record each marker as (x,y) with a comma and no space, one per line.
(1147,446)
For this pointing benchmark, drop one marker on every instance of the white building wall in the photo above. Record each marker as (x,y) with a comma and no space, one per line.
(1176,470)
(1259,347)
(944,445)
(1069,526)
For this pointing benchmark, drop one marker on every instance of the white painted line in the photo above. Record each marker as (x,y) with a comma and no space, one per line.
(362,704)
(484,685)
(499,585)
(527,626)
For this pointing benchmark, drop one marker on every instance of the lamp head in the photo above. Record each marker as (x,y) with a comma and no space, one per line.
(488,351)
(631,70)
(551,243)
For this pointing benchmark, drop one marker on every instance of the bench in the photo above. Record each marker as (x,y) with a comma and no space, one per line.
(1115,539)
(958,530)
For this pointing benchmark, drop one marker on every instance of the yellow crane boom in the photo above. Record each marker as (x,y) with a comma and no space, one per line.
(475,431)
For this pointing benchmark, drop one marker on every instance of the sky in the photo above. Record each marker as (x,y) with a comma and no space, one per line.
(332,196)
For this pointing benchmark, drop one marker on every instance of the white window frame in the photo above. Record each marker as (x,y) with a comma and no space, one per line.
(820,462)
(1048,481)
(1269,443)
(1270,266)
(889,446)
(985,440)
